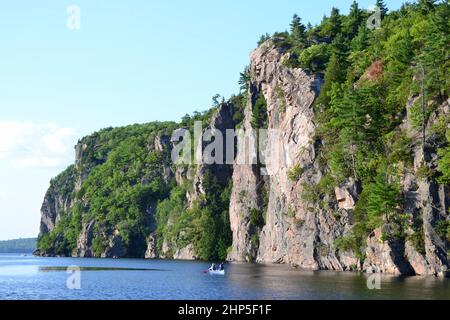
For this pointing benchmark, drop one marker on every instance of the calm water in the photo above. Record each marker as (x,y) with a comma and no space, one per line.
(44,278)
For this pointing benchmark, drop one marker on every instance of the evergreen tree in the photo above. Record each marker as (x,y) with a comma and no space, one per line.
(332,25)
(298,31)
(444,166)
(340,48)
(361,41)
(244,79)
(333,74)
(263,38)
(426,5)
(444,162)
(383,198)
(259,114)
(436,52)
(354,19)
(350,120)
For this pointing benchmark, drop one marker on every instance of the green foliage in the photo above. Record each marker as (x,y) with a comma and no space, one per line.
(257,218)
(399,147)
(334,74)
(263,39)
(417,237)
(444,162)
(205,225)
(314,193)
(314,57)
(295,173)
(353,21)
(99,245)
(424,172)
(331,26)
(244,79)
(259,113)
(383,199)
(298,31)
(443,229)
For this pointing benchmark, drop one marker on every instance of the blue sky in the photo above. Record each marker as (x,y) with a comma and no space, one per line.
(131,62)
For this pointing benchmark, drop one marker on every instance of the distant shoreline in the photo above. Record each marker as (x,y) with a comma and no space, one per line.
(20,246)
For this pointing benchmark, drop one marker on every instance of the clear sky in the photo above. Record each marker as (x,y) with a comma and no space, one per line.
(131,62)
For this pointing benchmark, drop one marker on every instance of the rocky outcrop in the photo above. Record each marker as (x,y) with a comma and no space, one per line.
(346,195)
(151,252)
(57,200)
(194,174)
(385,256)
(302,234)
(84,242)
(292,233)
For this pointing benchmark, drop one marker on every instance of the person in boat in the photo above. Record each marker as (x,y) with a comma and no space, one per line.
(221,267)
(213,267)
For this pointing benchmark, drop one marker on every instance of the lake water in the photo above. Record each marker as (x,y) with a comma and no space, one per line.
(46,278)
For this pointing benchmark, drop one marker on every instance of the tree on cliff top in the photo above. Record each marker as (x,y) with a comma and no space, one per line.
(298,31)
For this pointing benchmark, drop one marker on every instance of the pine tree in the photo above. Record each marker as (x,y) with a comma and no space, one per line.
(383,197)
(259,114)
(263,38)
(244,79)
(444,162)
(332,25)
(333,74)
(354,20)
(361,41)
(350,119)
(298,31)
(436,51)
(426,5)
(340,48)
(444,166)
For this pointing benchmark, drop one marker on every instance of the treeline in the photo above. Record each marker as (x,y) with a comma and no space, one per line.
(18,246)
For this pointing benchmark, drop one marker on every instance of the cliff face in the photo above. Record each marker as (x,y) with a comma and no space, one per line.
(303,234)
(193,176)
(270,220)
(293,233)
(57,200)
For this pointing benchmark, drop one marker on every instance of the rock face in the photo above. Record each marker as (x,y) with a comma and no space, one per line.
(84,242)
(57,200)
(301,234)
(292,233)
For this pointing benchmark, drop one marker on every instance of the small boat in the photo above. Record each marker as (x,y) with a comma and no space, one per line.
(217,272)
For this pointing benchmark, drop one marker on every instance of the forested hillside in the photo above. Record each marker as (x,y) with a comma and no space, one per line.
(18,246)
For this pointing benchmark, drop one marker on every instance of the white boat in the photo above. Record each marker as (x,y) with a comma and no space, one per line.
(217,272)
